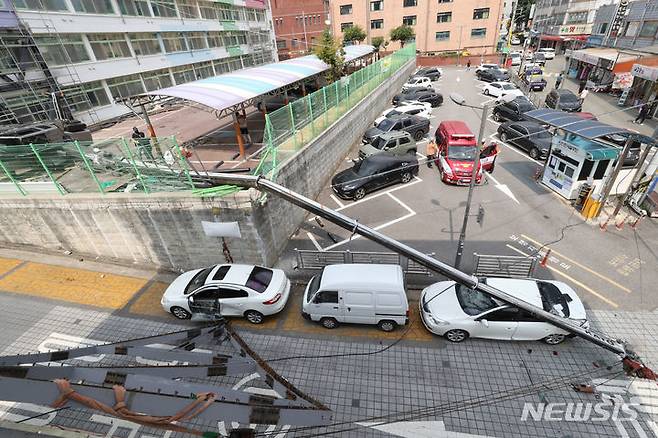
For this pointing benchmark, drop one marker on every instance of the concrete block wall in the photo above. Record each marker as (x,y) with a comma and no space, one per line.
(164,230)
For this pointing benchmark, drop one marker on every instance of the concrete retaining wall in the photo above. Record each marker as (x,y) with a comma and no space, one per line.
(164,230)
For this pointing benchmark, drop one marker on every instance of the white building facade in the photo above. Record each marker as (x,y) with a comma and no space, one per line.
(103,50)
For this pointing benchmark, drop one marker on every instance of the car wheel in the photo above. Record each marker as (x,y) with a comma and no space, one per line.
(534,153)
(180,313)
(418,135)
(254,317)
(387,325)
(412,151)
(456,335)
(503,136)
(554,339)
(406,177)
(486,92)
(329,323)
(359,193)
(497,117)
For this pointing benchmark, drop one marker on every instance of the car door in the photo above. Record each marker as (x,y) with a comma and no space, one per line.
(494,90)
(506,110)
(514,112)
(391,146)
(233,300)
(499,323)
(532,329)
(379,177)
(521,135)
(358,307)
(325,304)
(205,300)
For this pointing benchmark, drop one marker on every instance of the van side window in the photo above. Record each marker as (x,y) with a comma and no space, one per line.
(326,296)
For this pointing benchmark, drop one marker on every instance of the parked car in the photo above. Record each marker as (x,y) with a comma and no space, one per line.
(434,73)
(539,58)
(534,79)
(374,172)
(486,66)
(529,55)
(516,58)
(619,140)
(513,110)
(419,95)
(531,66)
(419,109)
(457,312)
(228,290)
(549,52)
(585,115)
(417,82)
(564,100)
(457,148)
(499,89)
(414,125)
(357,293)
(493,75)
(529,136)
(394,142)
(515,41)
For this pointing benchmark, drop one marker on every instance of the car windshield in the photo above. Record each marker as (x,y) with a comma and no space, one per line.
(259,279)
(393,113)
(462,153)
(365,167)
(525,106)
(313,287)
(378,142)
(537,132)
(473,302)
(508,87)
(553,300)
(198,280)
(568,97)
(386,124)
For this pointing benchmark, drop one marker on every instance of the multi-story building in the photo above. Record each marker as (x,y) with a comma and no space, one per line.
(297,25)
(440,25)
(639,27)
(102,50)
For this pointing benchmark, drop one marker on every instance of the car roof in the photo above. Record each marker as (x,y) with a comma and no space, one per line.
(456,127)
(394,134)
(563,92)
(524,289)
(529,125)
(335,277)
(387,157)
(401,116)
(237,274)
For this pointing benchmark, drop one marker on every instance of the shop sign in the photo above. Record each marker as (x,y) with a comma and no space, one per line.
(581,55)
(575,29)
(644,72)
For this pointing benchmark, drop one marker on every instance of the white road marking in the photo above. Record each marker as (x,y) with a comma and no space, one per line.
(336,200)
(419,429)
(503,188)
(490,120)
(315,242)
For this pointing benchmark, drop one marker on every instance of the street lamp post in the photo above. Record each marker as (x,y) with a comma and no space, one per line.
(459,100)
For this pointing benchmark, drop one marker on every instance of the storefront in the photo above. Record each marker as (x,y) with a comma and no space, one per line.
(644,87)
(603,68)
(569,37)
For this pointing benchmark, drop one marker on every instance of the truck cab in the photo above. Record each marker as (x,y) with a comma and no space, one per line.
(457,149)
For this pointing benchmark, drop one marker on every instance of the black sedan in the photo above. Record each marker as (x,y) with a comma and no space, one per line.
(433,73)
(513,110)
(564,100)
(414,125)
(492,75)
(529,136)
(374,172)
(433,98)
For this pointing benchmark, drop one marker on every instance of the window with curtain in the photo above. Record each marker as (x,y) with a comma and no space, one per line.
(480,14)
(444,17)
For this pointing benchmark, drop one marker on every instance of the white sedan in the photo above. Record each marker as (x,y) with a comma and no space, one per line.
(499,89)
(422,109)
(228,290)
(456,312)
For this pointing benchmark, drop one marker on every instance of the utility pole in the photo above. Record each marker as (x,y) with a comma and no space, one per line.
(607,188)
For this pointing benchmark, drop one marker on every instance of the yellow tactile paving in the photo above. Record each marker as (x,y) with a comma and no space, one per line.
(72,285)
(7,265)
(148,302)
(295,322)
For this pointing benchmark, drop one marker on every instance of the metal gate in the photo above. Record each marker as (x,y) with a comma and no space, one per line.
(311,259)
(504,266)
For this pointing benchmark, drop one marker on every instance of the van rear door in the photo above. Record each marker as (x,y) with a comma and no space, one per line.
(358,307)
(391,305)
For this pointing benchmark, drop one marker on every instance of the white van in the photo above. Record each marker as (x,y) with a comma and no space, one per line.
(548,52)
(358,293)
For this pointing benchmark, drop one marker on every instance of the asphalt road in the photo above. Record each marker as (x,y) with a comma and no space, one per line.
(614,269)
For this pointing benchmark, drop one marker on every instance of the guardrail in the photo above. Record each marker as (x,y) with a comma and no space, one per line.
(311,259)
(504,266)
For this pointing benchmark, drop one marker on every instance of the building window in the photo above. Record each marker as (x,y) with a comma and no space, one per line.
(409,3)
(164,8)
(345,9)
(603,28)
(188,9)
(144,43)
(445,1)
(281,44)
(444,17)
(173,42)
(183,74)
(93,6)
(344,26)
(64,49)
(377,5)
(137,8)
(479,32)
(234,38)
(376,24)
(577,17)
(228,13)
(39,5)
(196,40)
(215,39)
(157,79)
(208,10)
(480,14)
(125,86)
(84,97)
(109,45)
(203,70)
(649,29)
(409,20)
(442,36)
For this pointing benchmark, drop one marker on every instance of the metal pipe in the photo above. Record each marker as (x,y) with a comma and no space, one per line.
(431,263)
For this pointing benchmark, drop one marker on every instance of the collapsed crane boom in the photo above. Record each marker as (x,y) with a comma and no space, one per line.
(470,281)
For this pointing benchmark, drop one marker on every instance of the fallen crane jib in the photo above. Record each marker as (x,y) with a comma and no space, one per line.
(417,256)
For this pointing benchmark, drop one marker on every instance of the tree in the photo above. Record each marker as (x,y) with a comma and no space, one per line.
(331,52)
(353,34)
(402,33)
(379,43)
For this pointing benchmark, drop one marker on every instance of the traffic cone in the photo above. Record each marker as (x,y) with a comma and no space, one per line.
(637,222)
(620,225)
(544,260)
